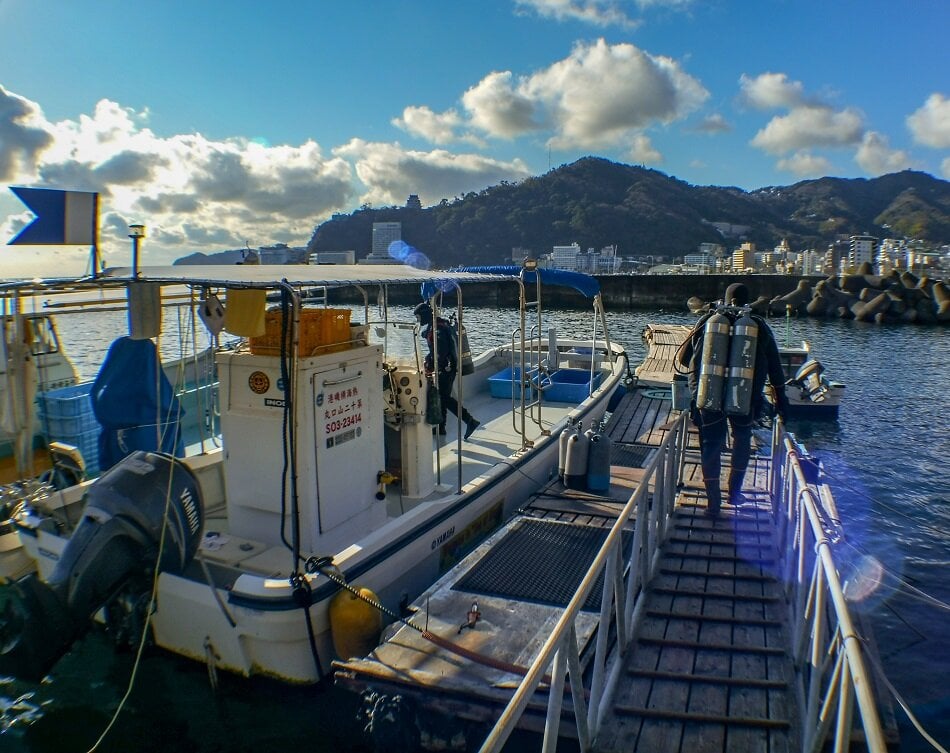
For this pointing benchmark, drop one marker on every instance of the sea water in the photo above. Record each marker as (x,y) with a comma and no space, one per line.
(886,456)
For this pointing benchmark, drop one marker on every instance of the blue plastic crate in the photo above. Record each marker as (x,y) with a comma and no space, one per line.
(67,412)
(570,386)
(507,383)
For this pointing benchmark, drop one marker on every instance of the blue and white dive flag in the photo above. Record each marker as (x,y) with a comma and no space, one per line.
(63,218)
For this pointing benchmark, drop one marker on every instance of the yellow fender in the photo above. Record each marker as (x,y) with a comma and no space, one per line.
(354,624)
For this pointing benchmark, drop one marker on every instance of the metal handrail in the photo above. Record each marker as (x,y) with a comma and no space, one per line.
(622,605)
(827,650)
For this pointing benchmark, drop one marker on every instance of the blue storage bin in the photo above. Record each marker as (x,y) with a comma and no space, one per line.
(67,411)
(507,383)
(66,416)
(570,386)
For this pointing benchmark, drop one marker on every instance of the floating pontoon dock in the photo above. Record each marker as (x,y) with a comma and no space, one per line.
(660,628)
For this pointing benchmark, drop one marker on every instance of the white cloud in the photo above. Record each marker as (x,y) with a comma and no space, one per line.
(189,191)
(945,168)
(930,124)
(642,151)
(24,135)
(769,91)
(390,173)
(438,128)
(495,107)
(597,97)
(876,157)
(810,126)
(601,92)
(712,124)
(596,12)
(601,13)
(805,165)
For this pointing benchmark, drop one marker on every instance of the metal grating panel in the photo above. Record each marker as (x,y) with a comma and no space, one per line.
(631,455)
(541,561)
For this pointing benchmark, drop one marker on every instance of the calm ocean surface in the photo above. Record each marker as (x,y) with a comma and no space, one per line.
(887,455)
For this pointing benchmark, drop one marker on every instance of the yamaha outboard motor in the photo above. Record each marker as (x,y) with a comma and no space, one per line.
(809,379)
(117,541)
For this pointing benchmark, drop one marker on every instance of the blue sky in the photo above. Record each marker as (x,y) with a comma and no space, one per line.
(223,123)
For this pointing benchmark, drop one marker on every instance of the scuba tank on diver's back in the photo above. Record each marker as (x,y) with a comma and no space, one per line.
(712,368)
(745,335)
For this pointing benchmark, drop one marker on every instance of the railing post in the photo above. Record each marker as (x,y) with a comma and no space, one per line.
(552,722)
(600,653)
(578,694)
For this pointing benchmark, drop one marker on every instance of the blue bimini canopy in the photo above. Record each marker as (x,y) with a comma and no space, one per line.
(583,284)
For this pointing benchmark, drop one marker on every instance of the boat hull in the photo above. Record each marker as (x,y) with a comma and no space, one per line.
(257,626)
(241,619)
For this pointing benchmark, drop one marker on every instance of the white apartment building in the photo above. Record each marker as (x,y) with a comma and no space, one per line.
(384,234)
(861,250)
(565,257)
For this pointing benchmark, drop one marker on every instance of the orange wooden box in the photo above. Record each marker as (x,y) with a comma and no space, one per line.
(321,331)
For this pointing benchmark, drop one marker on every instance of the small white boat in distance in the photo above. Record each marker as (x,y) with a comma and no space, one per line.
(811,395)
(329,474)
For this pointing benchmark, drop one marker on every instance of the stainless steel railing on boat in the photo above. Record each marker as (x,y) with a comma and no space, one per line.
(827,651)
(622,605)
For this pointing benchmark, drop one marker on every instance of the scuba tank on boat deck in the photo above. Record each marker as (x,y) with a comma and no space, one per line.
(562,441)
(598,460)
(575,462)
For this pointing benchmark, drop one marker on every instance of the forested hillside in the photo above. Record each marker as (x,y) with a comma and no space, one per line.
(596,202)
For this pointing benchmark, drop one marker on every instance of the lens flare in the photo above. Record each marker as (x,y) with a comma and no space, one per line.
(399,250)
(864,579)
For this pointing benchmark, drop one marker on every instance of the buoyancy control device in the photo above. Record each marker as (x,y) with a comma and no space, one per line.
(727,362)
(113,549)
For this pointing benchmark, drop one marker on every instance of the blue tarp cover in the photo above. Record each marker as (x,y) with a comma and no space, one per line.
(129,396)
(583,284)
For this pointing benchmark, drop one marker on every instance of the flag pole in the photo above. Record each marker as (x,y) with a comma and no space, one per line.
(95,235)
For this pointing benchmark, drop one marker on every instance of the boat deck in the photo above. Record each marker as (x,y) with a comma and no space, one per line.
(709,668)
(494,441)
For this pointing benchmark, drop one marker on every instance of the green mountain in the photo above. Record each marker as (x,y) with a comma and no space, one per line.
(596,202)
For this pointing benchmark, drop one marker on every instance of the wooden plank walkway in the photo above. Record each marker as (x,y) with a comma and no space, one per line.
(709,667)
(663,340)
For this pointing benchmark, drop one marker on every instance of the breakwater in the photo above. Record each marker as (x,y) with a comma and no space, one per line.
(620,292)
(898,298)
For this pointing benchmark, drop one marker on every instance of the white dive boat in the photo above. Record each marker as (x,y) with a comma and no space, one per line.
(810,394)
(32,361)
(328,472)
